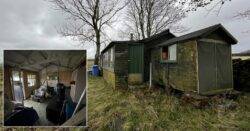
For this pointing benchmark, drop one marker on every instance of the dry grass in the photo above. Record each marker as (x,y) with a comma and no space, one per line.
(152,109)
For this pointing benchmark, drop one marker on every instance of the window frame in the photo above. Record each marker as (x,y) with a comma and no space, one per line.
(168,60)
(17,77)
(35,80)
(108,59)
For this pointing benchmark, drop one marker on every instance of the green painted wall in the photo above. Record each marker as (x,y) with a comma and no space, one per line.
(136,58)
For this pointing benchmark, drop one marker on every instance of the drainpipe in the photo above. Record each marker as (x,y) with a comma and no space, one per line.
(58,81)
(168,75)
(150,74)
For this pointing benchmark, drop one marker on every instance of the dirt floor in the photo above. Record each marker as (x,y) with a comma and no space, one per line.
(151,109)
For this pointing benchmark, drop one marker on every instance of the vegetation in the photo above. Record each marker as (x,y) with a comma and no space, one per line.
(150,109)
(87,20)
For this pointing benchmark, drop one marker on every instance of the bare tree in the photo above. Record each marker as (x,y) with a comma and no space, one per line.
(217,7)
(243,15)
(87,19)
(145,18)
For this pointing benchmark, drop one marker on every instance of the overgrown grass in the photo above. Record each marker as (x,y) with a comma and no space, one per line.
(153,109)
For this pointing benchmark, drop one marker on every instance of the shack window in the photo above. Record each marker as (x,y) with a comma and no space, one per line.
(111,58)
(164,53)
(31,80)
(105,59)
(169,53)
(108,59)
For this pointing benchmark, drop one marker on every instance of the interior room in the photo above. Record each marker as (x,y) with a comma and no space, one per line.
(44,87)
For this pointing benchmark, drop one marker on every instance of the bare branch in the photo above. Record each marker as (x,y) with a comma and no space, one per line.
(243,15)
(86,19)
(145,18)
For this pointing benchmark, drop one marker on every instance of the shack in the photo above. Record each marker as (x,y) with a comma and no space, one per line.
(44,87)
(125,62)
(115,62)
(199,61)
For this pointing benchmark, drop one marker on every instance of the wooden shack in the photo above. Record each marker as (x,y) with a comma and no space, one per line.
(122,63)
(126,62)
(199,61)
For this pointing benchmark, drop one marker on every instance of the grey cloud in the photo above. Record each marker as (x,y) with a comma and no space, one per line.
(31,24)
(198,20)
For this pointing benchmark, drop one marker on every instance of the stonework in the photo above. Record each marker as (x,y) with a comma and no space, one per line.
(182,73)
(135,78)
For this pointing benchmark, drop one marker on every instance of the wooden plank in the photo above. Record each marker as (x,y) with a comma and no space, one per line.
(77,119)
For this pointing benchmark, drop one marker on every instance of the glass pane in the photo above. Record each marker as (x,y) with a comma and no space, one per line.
(15,75)
(112,54)
(172,52)
(31,80)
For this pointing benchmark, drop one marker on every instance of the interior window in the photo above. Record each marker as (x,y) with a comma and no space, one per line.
(31,80)
(169,53)
(15,75)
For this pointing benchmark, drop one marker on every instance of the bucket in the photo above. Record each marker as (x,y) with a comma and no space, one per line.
(95,70)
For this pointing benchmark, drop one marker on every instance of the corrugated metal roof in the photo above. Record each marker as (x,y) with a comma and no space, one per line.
(147,40)
(195,34)
(120,42)
(157,36)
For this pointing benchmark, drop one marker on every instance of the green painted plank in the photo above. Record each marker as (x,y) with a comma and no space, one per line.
(136,58)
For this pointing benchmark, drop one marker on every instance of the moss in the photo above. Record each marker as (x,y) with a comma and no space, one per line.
(135,78)
(183,73)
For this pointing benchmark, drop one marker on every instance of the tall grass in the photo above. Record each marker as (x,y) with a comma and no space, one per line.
(153,109)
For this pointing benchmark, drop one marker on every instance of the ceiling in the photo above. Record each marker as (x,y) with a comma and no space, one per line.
(36,60)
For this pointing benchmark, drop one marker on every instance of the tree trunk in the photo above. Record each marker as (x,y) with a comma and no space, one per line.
(97,32)
(97,54)
(98,44)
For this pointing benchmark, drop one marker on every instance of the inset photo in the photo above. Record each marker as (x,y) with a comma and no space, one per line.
(45,88)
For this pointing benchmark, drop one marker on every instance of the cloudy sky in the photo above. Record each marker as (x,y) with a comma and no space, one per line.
(31,24)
